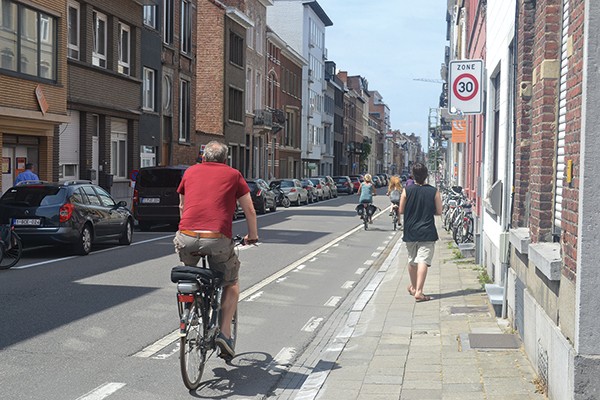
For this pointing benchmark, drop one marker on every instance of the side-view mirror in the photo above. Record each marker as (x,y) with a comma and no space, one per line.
(122,203)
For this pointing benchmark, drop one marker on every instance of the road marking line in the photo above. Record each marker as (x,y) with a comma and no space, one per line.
(335,245)
(255,296)
(360,271)
(93,252)
(369,262)
(164,356)
(348,285)
(158,345)
(381,248)
(102,391)
(325,251)
(333,301)
(312,324)
(376,254)
(313,259)
(300,267)
(283,359)
(281,279)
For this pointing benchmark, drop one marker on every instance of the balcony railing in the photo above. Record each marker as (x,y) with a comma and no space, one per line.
(263,118)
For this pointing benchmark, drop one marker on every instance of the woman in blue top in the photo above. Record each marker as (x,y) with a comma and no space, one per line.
(366,191)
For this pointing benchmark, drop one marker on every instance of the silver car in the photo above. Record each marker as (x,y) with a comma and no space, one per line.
(294,191)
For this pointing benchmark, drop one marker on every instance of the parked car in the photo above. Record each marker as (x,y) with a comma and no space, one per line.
(356,181)
(344,184)
(263,197)
(311,189)
(155,197)
(331,184)
(294,191)
(376,181)
(323,191)
(75,213)
(384,179)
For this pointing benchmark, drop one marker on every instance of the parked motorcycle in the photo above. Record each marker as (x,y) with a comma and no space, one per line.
(280,197)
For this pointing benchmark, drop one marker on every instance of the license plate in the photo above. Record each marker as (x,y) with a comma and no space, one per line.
(27,222)
(150,200)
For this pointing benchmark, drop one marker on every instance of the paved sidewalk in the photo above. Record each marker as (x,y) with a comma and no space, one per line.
(389,347)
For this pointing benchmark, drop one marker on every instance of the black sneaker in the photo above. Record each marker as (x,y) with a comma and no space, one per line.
(226,347)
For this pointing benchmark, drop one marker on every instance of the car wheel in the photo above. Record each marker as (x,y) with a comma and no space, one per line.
(306,202)
(127,236)
(84,244)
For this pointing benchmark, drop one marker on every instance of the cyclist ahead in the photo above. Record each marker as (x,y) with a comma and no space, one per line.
(207,200)
(366,191)
(394,191)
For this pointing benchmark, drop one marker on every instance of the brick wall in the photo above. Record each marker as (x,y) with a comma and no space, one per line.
(570,203)
(209,69)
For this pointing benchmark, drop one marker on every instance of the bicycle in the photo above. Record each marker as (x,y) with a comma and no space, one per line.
(199,291)
(365,211)
(11,247)
(395,217)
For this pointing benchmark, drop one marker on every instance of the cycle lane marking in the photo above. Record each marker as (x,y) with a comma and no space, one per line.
(258,286)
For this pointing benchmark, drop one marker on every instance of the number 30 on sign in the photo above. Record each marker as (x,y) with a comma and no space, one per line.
(465,90)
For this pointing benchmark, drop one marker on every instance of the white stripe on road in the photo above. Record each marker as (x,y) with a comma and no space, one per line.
(376,254)
(93,252)
(381,248)
(281,279)
(158,345)
(283,359)
(333,301)
(348,285)
(313,259)
(360,271)
(300,267)
(102,392)
(312,324)
(369,262)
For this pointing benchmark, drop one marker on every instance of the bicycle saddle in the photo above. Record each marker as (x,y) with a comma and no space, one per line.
(189,273)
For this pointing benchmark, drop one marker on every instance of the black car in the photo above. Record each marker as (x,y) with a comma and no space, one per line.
(344,184)
(155,197)
(75,213)
(263,197)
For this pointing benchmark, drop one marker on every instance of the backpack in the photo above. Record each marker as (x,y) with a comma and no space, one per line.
(395,196)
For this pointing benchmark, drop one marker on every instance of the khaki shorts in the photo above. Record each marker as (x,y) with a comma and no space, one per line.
(220,252)
(420,252)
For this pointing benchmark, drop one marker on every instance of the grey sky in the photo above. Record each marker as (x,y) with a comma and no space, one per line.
(392,42)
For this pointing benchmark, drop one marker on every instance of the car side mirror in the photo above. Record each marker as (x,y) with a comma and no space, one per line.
(122,203)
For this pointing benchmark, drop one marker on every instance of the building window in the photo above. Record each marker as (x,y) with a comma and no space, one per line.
(149,88)
(99,38)
(235,105)
(150,16)
(258,91)
(118,149)
(124,48)
(186,27)
(168,19)
(272,90)
(249,90)
(250,37)
(27,40)
(259,38)
(184,111)
(236,49)
(167,94)
(68,172)
(73,28)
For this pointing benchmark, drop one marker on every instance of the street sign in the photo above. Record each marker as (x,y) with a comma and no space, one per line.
(466,86)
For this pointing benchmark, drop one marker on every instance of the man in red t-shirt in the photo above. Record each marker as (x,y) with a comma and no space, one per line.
(207,200)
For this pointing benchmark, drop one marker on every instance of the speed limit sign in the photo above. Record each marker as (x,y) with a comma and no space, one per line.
(465,89)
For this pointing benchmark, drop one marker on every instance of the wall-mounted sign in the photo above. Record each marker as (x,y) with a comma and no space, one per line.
(459,131)
(465,91)
(6,165)
(39,94)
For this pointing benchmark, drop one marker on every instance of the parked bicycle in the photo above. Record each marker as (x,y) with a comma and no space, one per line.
(199,291)
(11,247)
(457,217)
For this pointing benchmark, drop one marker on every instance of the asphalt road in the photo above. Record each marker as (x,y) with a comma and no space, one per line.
(102,326)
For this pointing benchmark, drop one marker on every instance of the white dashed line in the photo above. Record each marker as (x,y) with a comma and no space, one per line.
(283,278)
(312,324)
(348,285)
(369,262)
(283,359)
(381,248)
(360,271)
(102,392)
(300,267)
(255,296)
(158,345)
(376,254)
(313,259)
(333,301)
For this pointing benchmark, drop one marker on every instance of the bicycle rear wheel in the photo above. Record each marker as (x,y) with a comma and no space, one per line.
(11,253)
(193,347)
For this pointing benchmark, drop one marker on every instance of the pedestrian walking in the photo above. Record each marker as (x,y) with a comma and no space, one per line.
(28,174)
(420,203)
(410,181)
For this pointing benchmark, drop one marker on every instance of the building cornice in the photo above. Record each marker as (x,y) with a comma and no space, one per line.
(239,17)
(266,3)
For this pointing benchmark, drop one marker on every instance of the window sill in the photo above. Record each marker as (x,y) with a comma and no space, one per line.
(519,239)
(546,258)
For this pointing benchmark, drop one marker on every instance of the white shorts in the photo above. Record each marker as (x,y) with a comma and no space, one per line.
(420,252)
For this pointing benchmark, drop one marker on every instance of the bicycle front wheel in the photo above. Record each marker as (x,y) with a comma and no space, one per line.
(12,252)
(193,348)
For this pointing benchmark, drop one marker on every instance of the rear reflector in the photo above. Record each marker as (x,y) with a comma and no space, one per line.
(185,298)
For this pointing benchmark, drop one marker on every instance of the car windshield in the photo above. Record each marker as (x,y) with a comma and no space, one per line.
(287,184)
(340,179)
(159,178)
(315,181)
(34,196)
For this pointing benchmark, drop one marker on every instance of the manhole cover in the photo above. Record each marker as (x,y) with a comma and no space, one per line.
(493,341)
(469,310)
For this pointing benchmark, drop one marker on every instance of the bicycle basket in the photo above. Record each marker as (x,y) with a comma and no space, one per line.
(360,210)
(371,210)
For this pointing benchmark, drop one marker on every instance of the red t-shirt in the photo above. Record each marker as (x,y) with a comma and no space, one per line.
(211,190)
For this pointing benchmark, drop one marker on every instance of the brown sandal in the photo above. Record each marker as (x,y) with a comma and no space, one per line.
(422,299)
